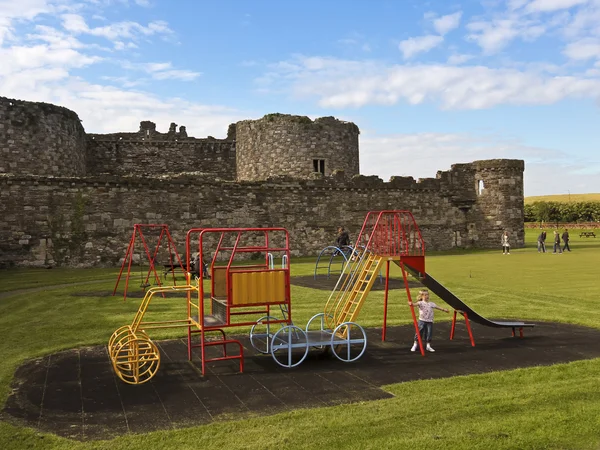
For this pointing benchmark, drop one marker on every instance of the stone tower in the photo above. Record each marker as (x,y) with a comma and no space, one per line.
(499,200)
(40,139)
(295,146)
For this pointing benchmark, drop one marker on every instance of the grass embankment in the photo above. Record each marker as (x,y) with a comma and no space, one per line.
(546,407)
(563,198)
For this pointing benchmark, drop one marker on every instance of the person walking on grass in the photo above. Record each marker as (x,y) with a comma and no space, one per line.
(425,320)
(556,242)
(541,241)
(565,238)
(505,244)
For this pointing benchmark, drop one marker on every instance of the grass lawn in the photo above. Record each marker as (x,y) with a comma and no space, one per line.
(541,407)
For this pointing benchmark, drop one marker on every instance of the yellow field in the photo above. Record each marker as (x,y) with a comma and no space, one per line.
(563,198)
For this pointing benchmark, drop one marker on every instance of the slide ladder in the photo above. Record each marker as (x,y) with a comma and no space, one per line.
(353,287)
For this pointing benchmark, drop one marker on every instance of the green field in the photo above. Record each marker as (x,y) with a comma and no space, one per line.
(540,407)
(563,198)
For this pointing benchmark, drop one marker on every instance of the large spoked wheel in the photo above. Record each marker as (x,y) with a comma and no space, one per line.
(348,341)
(262,332)
(135,359)
(289,346)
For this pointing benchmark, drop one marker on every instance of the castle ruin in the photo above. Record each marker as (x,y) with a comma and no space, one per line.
(71,198)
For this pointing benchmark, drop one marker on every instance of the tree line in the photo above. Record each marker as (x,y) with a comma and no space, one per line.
(562,212)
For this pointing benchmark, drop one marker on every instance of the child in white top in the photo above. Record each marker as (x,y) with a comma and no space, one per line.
(425,319)
(505,244)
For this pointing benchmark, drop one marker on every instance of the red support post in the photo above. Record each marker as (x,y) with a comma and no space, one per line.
(412,310)
(385,300)
(467,324)
(453,325)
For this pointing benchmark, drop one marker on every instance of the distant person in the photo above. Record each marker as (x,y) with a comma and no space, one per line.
(343,238)
(541,241)
(505,243)
(425,320)
(197,263)
(557,242)
(565,238)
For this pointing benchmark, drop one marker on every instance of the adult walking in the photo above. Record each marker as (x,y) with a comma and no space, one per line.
(541,242)
(565,238)
(556,242)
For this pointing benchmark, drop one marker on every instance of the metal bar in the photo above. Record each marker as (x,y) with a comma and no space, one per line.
(453,327)
(412,309)
(165,321)
(124,261)
(469,329)
(385,300)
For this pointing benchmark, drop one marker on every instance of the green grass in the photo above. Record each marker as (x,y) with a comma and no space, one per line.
(563,198)
(541,407)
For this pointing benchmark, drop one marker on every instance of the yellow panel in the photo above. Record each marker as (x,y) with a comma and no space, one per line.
(258,287)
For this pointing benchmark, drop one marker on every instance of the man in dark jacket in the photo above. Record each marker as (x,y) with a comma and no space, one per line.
(565,238)
(541,241)
(557,242)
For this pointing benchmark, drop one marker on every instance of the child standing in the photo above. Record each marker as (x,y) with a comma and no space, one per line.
(425,319)
(505,244)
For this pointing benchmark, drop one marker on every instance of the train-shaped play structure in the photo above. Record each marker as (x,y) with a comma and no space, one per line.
(248,290)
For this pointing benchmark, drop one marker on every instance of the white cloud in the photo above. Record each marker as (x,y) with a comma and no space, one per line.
(492,36)
(587,48)
(162,71)
(342,84)
(412,155)
(457,59)
(552,5)
(11,10)
(42,66)
(115,31)
(447,23)
(176,74)
(412,46)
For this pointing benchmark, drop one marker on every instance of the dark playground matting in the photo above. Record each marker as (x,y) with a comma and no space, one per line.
(75,393)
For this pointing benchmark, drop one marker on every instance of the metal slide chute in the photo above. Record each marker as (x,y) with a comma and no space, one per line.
(444,293)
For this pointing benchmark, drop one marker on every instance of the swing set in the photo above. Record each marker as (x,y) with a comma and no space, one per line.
(151,230)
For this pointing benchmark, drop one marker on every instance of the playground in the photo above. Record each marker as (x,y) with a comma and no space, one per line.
(59,380)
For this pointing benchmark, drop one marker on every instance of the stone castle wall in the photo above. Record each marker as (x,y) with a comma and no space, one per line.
(151,153)
(73,199)
(280,144)
(137,157)
(88,221)
(40,139)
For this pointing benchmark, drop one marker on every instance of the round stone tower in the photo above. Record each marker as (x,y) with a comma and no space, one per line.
(499,200)
(296,146)
(40,139)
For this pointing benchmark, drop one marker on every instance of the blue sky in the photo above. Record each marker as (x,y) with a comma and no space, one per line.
(429,84)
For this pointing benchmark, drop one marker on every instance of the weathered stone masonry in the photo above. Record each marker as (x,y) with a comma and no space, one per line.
(84,216)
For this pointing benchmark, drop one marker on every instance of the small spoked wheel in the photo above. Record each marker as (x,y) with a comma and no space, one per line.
(262,332)
(136,360)
(348,341)
(289,346)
